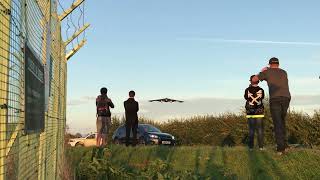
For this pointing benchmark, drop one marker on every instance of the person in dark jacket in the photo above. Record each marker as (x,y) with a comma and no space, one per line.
(103,104)
(131,112)
(254,96)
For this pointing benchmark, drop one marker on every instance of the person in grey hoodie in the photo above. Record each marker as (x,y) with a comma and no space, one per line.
(280,97)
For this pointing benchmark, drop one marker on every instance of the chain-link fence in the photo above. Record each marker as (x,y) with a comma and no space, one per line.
(32,90)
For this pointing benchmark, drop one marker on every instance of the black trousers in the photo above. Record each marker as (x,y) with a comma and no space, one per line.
(131,126)
(255,124)
(278,108)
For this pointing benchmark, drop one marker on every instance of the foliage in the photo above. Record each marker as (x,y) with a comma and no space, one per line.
(98,166)
(231,129)
(192,162)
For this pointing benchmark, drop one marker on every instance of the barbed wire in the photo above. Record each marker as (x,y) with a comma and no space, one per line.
(83,22)
(61,6)
(67,31)
(75,26)
(68,26)
(79,19)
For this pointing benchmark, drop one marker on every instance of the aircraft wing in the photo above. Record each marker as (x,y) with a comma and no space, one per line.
(159,100)
(174,100)
(166,100)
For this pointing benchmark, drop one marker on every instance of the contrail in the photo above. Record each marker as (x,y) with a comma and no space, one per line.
(250,41)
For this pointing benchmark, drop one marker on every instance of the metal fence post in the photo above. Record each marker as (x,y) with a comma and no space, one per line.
(4,61)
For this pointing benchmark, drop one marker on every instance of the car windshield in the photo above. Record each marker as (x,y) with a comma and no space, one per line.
(149,128)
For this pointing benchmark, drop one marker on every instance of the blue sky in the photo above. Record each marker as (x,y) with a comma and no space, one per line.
(199,51)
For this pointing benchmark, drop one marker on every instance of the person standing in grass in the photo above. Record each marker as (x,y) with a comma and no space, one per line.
(254,96)
(280,97)
(103,104)
(131,107)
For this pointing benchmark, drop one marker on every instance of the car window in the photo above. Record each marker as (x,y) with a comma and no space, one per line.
(149,128)
(92,136)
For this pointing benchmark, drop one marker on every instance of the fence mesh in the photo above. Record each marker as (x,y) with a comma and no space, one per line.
(31,154)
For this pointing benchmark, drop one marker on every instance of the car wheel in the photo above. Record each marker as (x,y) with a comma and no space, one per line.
(116,141)
(79,145)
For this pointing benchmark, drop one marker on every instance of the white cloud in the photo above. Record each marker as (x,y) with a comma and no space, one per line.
(252,41)
(82,100)
(306,100)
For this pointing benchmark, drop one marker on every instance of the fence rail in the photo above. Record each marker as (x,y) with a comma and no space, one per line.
(33,71)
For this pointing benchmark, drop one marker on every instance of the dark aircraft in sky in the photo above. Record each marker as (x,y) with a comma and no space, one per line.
(166,100)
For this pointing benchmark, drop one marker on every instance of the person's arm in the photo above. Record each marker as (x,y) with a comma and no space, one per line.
(262,94)
(110,103)
(246,94)
(137,107)
(261,76)
(96,107)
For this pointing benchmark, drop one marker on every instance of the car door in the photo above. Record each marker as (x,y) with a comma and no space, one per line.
(90,140)
(140,132)
(122,134)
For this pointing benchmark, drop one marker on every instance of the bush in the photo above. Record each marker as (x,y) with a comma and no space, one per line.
(231,129)
(95,164)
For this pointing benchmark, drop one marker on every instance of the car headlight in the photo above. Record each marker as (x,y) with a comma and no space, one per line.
(153,136)
(173,137)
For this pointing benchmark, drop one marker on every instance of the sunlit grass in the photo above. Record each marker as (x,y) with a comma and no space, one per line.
(216,162)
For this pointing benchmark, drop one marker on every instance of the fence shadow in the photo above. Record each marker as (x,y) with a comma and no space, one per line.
(275,168)
(257,166)
(214,171)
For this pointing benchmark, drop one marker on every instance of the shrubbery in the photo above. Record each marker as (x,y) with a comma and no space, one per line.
(232,129)
(96,165)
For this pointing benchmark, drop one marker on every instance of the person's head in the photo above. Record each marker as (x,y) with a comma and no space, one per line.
(253,82)
(274,62)
(103,91)
(132,94)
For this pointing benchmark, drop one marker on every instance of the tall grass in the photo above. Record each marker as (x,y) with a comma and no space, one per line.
(231,129)
(193,162)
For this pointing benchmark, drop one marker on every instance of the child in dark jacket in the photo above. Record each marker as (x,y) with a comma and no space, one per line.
(254,96)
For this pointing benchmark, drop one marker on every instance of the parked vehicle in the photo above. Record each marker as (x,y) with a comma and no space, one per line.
(146,134)
(89,140)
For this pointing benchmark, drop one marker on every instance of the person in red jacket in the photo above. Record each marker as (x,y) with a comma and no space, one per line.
(254,96)
(103,104)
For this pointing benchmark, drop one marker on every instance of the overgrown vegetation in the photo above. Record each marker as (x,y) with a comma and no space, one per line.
(199,161)
(192,162)
(231,129)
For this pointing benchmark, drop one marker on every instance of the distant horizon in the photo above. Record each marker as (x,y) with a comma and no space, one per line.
(160,112)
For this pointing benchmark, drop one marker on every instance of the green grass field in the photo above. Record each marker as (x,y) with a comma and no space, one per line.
(205,162)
